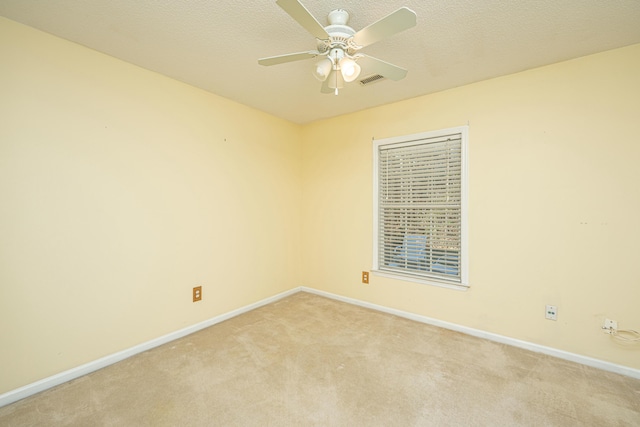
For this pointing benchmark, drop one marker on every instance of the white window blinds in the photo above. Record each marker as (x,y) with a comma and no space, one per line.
(420,206)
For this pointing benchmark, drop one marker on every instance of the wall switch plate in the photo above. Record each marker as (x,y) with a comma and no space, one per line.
(197,293)
(365,277)
(551,312)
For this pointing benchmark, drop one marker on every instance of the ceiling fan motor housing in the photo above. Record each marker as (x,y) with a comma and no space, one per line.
(339,33)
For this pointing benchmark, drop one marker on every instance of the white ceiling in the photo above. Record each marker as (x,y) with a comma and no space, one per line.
(215,44)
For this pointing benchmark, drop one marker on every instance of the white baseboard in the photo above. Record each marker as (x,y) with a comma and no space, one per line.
(71,374)
(550,351)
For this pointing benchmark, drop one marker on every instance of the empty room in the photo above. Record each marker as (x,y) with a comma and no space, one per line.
(327,213)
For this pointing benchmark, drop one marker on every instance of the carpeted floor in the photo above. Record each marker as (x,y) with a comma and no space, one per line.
(311,361)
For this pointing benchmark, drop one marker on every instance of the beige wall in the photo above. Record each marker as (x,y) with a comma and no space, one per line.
(554,203)
(120,190)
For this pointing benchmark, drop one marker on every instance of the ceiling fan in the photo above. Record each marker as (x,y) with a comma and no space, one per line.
(339,45)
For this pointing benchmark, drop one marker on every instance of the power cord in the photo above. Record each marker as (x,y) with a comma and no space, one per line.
(628,335)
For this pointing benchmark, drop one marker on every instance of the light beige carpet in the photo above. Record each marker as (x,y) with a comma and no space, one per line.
(311,361)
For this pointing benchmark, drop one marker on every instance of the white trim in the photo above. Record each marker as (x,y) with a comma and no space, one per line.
(422,280)
(464,204)
(550,351)
(73,373)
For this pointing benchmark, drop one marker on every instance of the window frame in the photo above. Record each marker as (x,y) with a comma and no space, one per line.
(463,283)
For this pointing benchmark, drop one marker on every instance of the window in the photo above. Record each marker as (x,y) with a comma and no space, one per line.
(420,207)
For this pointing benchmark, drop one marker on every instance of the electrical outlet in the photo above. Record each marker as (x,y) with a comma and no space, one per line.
(609,326)
(551,312)
(197,293)
(365,277)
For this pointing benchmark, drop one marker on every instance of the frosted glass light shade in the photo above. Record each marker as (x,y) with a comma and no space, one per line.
(322,69)
(349,69)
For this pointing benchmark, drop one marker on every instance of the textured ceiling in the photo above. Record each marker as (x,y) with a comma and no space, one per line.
(215,44)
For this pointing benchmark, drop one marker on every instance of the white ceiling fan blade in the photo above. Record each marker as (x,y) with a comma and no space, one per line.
(300,13)
(400,20)
(281,59)
(377,66)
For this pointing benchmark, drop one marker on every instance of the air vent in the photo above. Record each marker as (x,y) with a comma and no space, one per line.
(371,79)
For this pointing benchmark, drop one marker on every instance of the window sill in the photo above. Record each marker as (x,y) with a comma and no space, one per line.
(421,280)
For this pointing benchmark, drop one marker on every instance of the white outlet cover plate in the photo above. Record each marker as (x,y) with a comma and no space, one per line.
(610,324)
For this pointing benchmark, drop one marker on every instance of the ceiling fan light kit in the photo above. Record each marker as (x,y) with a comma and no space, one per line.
(323,69)
(350,69)
(340,45)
